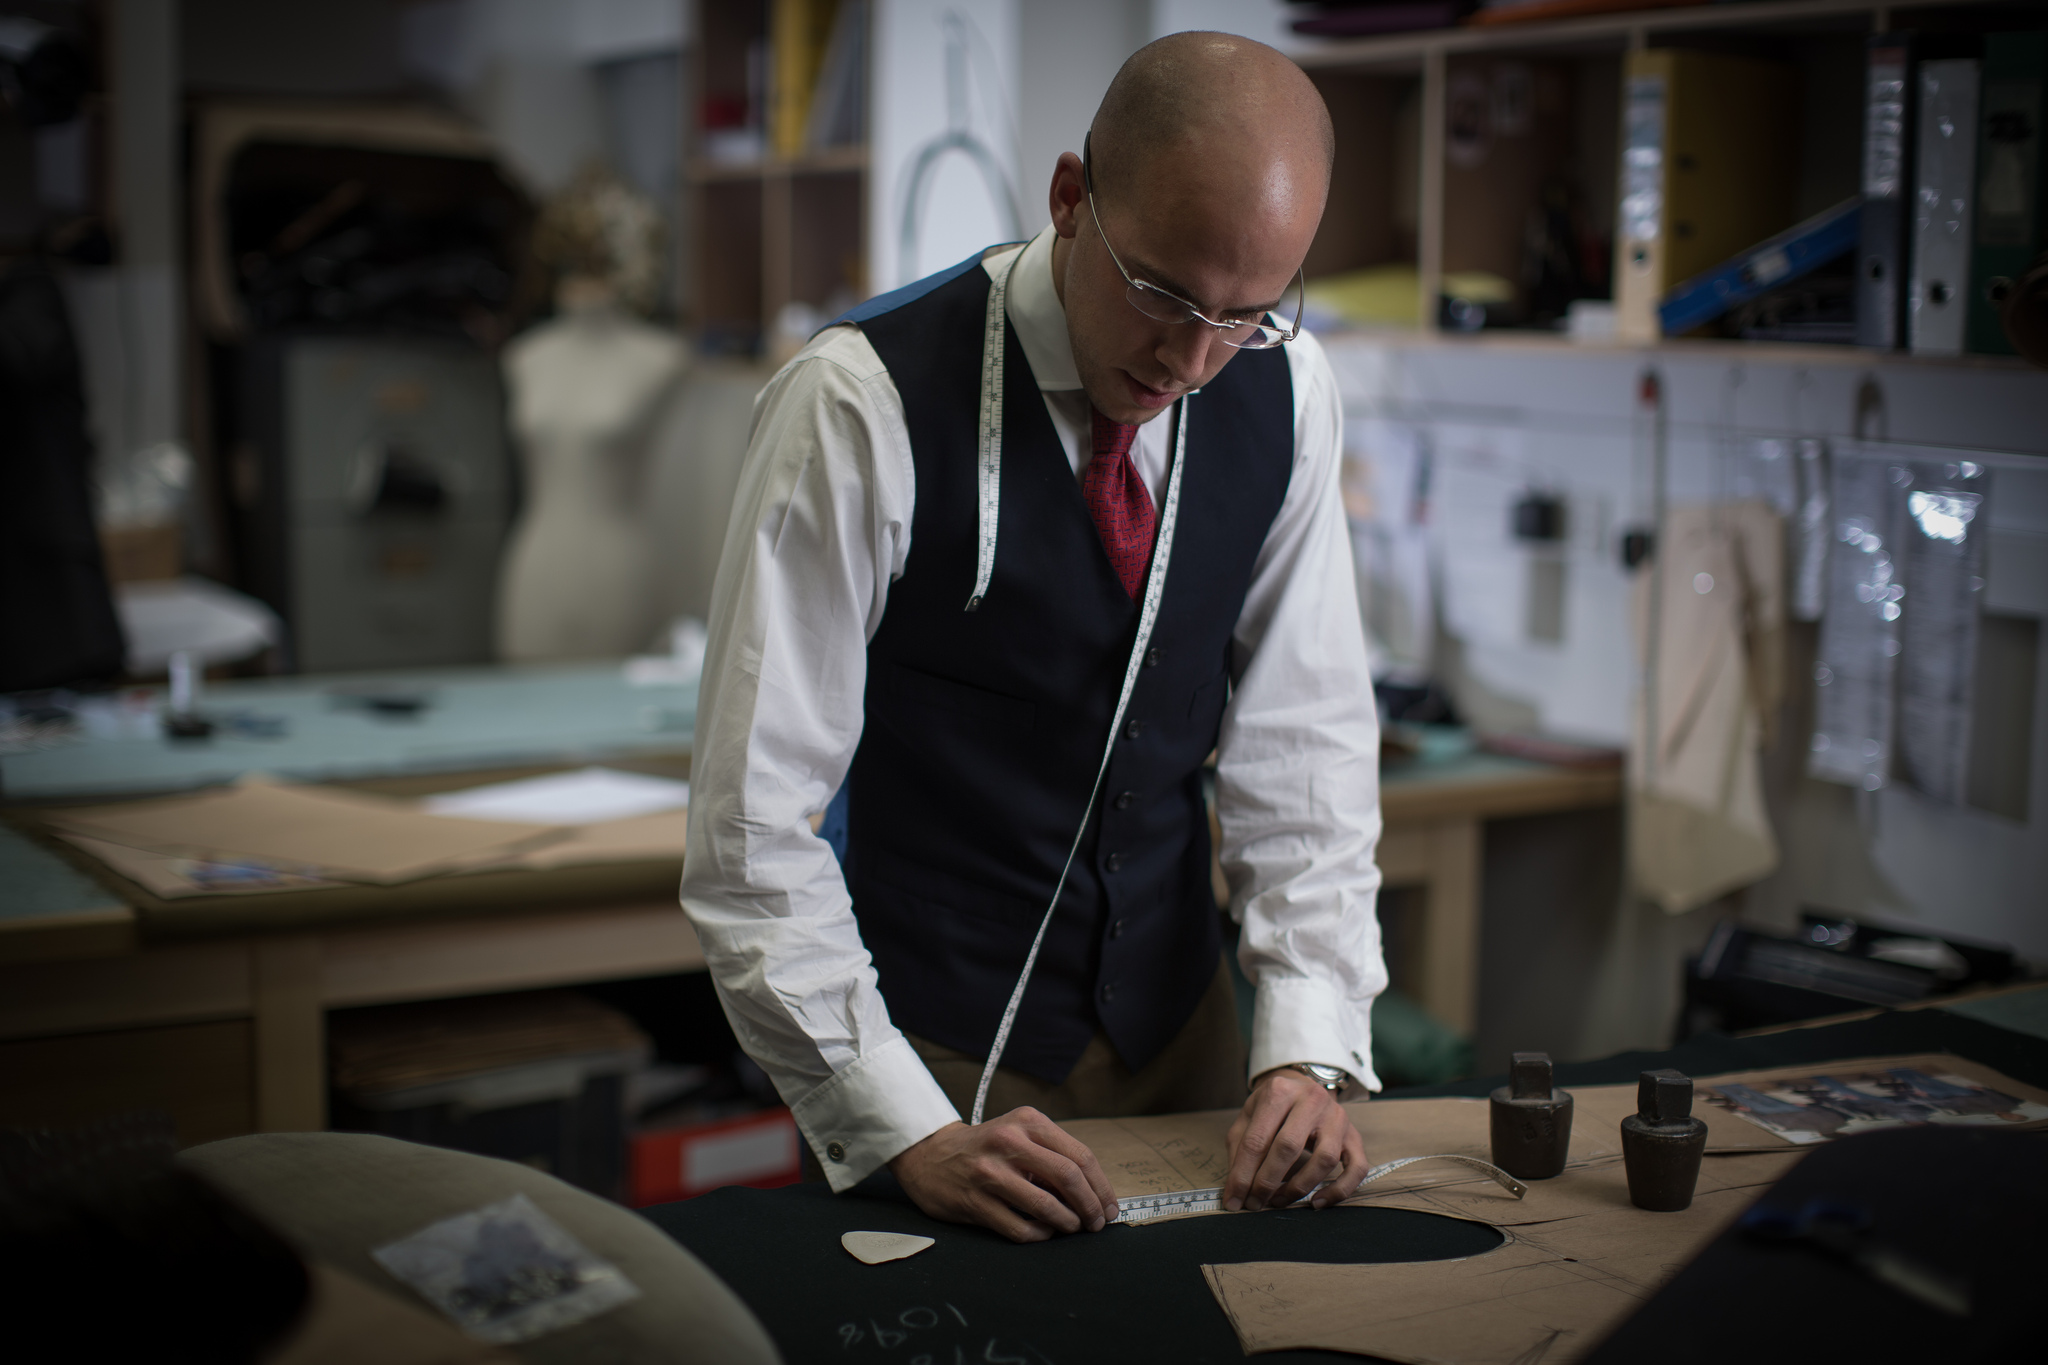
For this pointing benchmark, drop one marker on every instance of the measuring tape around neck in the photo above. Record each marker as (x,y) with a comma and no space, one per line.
(989,448)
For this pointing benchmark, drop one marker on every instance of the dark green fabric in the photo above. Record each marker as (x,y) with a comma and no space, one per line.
(1123,1294)
(1138,1293)
(1967,1203)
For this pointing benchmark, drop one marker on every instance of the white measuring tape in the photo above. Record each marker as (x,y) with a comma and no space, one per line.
(1142,1208)
(990,451)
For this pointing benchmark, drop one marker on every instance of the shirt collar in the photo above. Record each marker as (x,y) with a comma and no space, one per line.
(1039,317)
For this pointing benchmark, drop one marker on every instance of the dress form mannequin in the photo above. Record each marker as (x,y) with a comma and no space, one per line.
(584,388)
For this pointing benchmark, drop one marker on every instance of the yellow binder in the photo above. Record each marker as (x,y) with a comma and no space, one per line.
(797,34)
(1709,166)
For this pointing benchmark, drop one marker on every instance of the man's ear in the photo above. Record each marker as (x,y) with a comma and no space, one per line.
(1065,196)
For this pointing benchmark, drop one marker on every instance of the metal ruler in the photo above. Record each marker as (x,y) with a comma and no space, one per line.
(1143,1208)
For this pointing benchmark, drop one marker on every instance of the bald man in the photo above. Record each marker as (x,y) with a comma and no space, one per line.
(1011,662)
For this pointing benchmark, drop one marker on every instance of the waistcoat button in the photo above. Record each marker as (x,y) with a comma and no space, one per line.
(1116,930)
(1114,862)
(1134,729)
(1152,658)
(1109,992)
(1124,799)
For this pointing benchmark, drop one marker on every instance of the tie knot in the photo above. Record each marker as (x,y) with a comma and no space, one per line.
(1112,438)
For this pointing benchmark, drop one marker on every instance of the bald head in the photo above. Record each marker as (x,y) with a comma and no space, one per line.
(1211,162)
(1212,113)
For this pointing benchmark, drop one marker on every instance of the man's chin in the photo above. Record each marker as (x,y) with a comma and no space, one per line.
(1127,400)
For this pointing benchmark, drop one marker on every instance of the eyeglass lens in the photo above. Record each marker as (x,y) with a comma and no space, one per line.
(1245,334)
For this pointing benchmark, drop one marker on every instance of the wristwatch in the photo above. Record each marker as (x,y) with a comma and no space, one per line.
(1333,1079)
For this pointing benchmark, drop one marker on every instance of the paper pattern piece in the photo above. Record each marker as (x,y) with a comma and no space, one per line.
(1162,1154)
(1579,1256)
(1844,1102)
(639,838)
(1598,1187)
(1548,1293)
(506,1272)
(170,876)
(1169,1153)
(344,834)
(583,797)
(873,1248)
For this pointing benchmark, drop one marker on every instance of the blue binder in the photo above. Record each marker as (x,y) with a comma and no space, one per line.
(1794,252)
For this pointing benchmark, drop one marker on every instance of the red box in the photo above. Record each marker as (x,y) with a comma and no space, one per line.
(758,1150)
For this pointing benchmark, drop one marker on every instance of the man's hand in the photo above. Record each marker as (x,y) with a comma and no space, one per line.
(1291,1136)
(1020,1174)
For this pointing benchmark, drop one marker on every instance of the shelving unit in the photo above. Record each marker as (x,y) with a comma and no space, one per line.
(771,231)
(1392,99)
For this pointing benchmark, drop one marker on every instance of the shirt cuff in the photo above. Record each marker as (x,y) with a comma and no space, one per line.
(871,1112)
(1296,1019)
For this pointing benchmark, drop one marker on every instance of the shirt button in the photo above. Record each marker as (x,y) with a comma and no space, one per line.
(836,1150)
(1152,659)
(1116,930)
(1114,862)
(1124,799)
(1134,729)
(1108,992)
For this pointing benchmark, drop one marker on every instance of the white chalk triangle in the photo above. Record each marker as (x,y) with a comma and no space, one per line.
(877,1247)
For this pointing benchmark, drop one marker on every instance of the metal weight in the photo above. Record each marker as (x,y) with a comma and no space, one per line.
(1532,1122)
(1661,1143)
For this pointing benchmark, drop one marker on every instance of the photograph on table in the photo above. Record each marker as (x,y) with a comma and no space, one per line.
(1809,1109)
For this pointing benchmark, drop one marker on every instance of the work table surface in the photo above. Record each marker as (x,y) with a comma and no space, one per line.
(1129,1294)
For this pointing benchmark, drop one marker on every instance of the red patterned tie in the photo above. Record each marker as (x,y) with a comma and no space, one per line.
(1119,503)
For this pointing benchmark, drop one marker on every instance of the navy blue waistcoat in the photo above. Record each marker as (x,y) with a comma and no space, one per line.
(983,730)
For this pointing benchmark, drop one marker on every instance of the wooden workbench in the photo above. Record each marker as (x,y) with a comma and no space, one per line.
(214,1008)
(228,1032)
(110,1001)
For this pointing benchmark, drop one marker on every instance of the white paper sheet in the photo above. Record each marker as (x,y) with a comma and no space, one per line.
(579,798)
(1479,476)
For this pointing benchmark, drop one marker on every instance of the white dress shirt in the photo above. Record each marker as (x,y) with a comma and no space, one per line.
(820,529)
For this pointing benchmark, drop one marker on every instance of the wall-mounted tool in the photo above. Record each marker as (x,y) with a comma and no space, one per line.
(1538,516)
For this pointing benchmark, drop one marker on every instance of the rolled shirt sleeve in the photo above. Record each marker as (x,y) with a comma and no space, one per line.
(1298,768)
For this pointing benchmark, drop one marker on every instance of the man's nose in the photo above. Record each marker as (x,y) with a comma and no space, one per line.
(1184,351)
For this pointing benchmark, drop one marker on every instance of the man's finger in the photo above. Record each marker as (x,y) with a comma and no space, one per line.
(1056,1175)
(1029,1199)
(1259,1128)
(1287,1148)
(1082,1156)
(994,1214)
(1323,1160)
(1346,1182)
